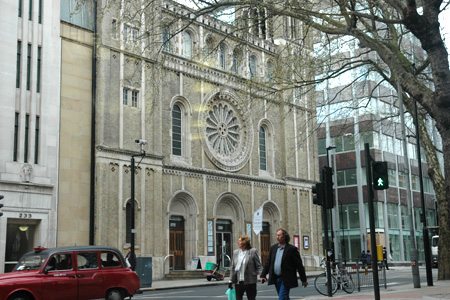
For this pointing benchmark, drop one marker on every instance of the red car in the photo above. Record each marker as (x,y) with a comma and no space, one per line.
(70,273)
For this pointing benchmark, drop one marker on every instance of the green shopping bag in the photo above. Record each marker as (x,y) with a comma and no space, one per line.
(231,293)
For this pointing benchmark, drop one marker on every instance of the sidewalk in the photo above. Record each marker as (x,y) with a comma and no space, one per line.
(439,291)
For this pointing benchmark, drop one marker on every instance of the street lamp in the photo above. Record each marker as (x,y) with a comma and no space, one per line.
(328,157)
(141,143)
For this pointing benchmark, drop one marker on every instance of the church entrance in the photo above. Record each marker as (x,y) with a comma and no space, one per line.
(176,242)
(265,242)
(223,242)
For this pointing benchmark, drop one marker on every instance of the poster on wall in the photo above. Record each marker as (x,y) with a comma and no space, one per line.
(305,242)
(210,237)
(296,241)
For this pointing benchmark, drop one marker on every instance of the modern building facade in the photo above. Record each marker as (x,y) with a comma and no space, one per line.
(368,112)
(29,117)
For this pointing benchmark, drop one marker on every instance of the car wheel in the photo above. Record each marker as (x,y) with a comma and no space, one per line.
(114,294)
(19,296)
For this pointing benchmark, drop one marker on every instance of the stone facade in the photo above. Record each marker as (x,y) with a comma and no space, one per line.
(201,179)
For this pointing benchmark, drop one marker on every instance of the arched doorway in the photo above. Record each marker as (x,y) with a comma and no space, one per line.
(229,218)
(182,218)
(176,242)
(271,222)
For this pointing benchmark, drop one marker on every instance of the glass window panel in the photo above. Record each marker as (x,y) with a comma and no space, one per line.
(269,71)
(402,179)
(252,66)
(262,149)
(134,98)
(19,51)
(125,96)
(405,217)
(350,177)
(353,215)
(392,214)
(187,45)
(392,177)
(349,143)
(165,33)
(176,130)
(340,177)
(222,57)
(338,143)
(322,145)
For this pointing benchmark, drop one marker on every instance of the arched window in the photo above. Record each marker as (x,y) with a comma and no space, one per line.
(165,36)
(187,44)
(177,130)
(269,70)
(209,46)
(222,57)
(237,58)
(252,66)
(262,149)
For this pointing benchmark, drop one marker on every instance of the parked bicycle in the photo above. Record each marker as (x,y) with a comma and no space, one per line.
(339,278)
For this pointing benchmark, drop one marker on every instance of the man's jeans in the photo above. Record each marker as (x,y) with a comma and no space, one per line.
(283,292)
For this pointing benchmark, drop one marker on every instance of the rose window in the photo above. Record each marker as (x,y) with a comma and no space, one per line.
(222,129)
(226,135)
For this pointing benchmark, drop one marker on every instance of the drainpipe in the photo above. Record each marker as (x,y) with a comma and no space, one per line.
(94,86)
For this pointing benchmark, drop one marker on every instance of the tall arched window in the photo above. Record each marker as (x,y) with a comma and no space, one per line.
(177,130)
(187,44)
(269,71)
(222,57)
(237,57)
(252,66)
(262,149)
(165,36)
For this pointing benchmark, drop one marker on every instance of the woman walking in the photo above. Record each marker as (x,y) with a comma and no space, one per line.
(245,268)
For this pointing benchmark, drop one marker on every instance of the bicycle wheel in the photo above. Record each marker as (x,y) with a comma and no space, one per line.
(321,284)
(347,284)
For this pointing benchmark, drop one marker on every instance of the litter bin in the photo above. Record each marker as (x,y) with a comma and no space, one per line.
(144,267)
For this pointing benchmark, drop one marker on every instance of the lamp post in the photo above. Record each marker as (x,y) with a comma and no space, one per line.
(141,143)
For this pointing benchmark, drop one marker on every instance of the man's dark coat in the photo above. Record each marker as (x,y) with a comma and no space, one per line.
(291,263)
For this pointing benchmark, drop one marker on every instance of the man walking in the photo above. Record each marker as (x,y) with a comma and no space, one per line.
(282,266)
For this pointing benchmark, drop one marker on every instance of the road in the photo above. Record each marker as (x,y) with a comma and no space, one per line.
(397,277)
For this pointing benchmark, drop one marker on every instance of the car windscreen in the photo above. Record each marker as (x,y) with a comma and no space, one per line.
(30,261)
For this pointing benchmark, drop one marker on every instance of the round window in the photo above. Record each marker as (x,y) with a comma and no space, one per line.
(226,131)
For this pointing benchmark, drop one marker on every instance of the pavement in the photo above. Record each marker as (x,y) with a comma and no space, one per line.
(439,291)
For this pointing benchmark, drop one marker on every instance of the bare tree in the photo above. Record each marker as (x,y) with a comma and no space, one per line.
(382,27)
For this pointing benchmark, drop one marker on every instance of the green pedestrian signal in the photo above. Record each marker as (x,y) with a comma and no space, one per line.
(380,175)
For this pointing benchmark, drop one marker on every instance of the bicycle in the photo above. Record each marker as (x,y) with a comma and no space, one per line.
(339,278)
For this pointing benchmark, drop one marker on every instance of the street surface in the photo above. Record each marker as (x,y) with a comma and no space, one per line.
(394,278)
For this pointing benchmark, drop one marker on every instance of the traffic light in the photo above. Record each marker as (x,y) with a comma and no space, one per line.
(317,191)
(327,179)
(380,175)
(1,205)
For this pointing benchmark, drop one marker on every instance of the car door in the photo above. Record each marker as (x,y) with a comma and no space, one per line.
(90,278)
(59,281)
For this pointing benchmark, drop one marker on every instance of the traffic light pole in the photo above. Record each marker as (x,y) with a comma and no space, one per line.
(327,247)
(423,217)
(373,242)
